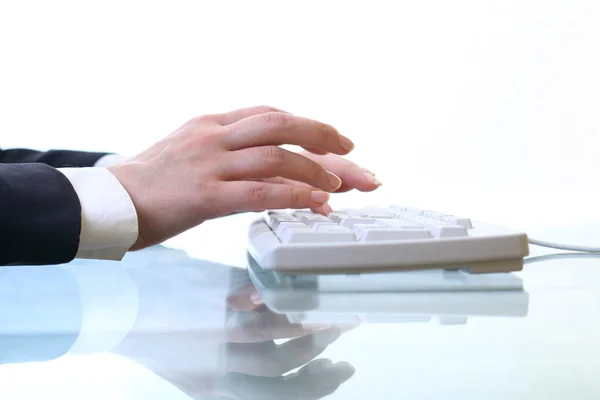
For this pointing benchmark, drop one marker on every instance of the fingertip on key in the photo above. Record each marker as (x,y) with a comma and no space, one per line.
(319,196)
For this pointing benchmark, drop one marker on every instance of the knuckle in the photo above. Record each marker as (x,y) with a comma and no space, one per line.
(275,119)
(264,109)
(273,155)
(294,197)
(315,169)
(327,131)
(215,199)
(202,119)
(211,137)
(258,193)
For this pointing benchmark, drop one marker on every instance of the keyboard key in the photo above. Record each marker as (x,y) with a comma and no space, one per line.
(448,231)
(348,222)
(337,216)
(311,220)
(464,222)
(309,236)
(330,228)
(271,215)
(376,234)
(278,220)
(302,213)
(282,226)
(394,223)
(435,215)
(375,215)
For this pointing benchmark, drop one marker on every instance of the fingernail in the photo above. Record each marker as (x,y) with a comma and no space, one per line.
(334,181)
(346,143)
(319,196)
(372,178)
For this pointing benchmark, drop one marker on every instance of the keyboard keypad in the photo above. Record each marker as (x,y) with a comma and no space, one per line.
(366,225)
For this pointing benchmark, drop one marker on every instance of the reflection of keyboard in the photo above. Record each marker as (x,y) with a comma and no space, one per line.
(446,308)
(375,239)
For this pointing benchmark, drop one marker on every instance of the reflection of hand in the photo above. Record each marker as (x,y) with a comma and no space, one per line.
(271,360)
(315,380)
(248,363)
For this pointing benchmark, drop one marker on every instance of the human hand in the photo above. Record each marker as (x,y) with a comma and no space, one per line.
(215,165)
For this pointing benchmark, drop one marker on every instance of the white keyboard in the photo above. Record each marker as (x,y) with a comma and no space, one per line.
(379,239)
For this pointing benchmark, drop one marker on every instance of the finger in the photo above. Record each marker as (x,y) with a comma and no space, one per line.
(252,195)
(304,349)
(270,360)
(316,151)
(325,209)
(245,299)
(236,115)
(273,161)
(343,188)
(275,128)
(257,327)
(316,380)
(353,176)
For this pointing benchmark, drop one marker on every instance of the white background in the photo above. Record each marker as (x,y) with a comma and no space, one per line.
(469,94)
(497,103)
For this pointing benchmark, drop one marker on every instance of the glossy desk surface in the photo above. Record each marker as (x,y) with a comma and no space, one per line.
(175,323)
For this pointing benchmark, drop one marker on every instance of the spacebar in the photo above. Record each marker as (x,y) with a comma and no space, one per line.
(309,236)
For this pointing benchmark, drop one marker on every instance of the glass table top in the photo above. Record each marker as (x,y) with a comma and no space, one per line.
(190,320)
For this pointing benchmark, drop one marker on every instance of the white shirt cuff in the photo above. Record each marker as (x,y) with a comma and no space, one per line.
(109,225)
(108,160)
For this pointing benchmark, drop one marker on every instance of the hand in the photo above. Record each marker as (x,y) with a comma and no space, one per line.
(218,164)
(183,337)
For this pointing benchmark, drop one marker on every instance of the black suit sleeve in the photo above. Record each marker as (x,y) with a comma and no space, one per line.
(54,158)
(40,215)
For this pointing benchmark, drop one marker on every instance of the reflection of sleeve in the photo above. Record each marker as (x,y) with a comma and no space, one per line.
(46,312)
(109,303)
(40,313)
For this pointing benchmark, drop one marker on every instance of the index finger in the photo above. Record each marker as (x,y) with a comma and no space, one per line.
(234,116)
(275,128)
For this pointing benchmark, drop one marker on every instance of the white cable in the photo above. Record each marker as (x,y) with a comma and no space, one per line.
(568,247)
(561,256)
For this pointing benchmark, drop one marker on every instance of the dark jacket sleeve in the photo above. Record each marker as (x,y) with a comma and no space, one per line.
(40,215)
(54,158)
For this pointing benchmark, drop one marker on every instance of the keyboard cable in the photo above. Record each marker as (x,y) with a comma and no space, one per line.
(567,247)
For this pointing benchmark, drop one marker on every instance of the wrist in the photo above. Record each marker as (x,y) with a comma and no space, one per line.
(126,175)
